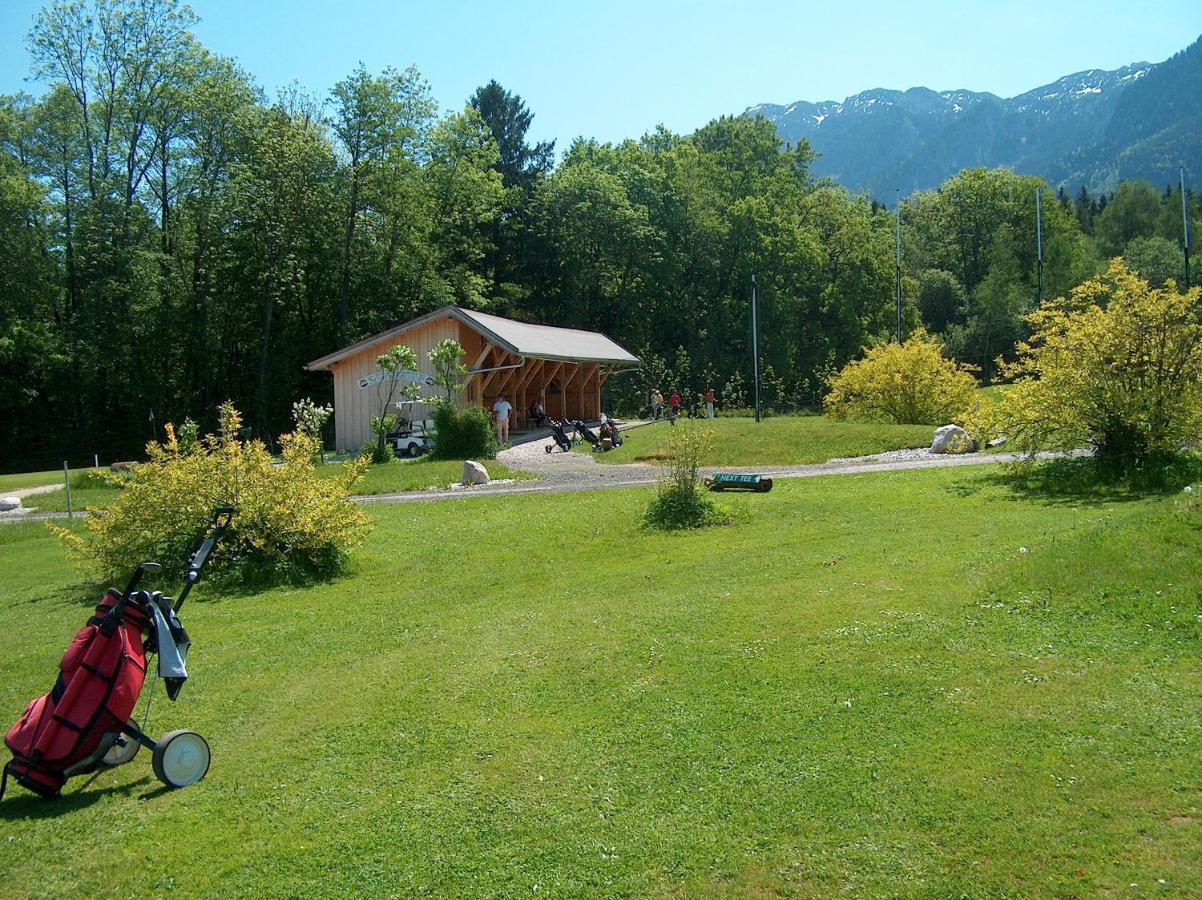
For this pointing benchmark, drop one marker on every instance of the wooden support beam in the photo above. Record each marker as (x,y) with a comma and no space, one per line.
(527,385)
(546,379)
(488,348)
(503,356)
(534,367)
(569,382)
(587,371)
(508,375)
(467,385)
(589,377)
(576,370)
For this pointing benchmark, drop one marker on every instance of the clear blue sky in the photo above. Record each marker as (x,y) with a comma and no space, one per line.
(615,69)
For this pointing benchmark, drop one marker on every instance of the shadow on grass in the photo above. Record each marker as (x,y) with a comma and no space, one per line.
(81,594)
(1088,481)
(21,804)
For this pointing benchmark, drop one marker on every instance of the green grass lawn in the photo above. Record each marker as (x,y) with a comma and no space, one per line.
(419,474)
(913,683)
(29,479)
(994,392)
(778,441)
(81,498)
(86,490)
(395,477)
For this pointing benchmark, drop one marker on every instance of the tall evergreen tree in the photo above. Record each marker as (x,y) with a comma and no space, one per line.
(506,116)
(521,166)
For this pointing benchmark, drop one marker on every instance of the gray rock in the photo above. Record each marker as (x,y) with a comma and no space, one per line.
(7,504)
(997,442)
(953,439)
(474,473)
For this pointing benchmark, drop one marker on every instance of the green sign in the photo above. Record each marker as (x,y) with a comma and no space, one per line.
(735,478)
(737,481)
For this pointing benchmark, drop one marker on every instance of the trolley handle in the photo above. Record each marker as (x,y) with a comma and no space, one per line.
(222,517)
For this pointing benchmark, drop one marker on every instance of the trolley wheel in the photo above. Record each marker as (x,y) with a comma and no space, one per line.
(548,448)
(123,750)
(181,758)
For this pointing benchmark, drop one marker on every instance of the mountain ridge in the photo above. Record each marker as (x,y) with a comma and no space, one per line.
(1090,128)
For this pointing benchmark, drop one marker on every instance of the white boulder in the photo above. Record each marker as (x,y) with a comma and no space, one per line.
(474,473)
(953,439)
(7,504)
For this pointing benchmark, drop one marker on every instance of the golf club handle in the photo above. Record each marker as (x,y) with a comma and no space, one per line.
(134,580)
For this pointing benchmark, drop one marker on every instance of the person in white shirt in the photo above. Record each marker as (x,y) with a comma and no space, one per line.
(502,408)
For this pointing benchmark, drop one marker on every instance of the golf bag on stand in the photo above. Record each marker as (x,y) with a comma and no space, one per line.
(86,721)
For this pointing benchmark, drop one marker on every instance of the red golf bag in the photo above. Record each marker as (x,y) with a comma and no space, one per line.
(86,721)
(68,731)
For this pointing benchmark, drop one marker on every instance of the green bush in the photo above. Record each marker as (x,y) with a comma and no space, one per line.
(376,453)
(462,433)
(87,479)
(289,525)
(679,500)
(672,509)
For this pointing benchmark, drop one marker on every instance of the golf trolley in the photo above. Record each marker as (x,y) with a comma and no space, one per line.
(85,724)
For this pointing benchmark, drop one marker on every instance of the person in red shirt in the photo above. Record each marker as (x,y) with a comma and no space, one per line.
(674,405)
(709,403)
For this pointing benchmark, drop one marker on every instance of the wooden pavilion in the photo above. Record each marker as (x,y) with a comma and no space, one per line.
(561,368)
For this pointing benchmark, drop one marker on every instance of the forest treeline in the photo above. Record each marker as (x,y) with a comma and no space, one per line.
(171,237)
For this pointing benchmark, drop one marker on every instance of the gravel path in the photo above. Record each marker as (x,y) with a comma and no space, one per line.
(23,512)
(560,472)
(31,491)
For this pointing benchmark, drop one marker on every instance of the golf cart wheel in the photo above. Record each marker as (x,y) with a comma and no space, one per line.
(181,758)
(123,750)
(414,451)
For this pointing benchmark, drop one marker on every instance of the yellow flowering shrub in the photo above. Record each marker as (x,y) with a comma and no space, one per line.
(289,525)
(908,384)
(1116,365)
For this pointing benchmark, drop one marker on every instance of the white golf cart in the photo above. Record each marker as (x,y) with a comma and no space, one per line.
(411,439)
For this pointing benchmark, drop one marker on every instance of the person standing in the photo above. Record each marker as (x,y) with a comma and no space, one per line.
(709,402)
(657,404)
(674,405)
(502,408)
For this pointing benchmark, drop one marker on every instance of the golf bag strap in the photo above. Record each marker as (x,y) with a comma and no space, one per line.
(4,779)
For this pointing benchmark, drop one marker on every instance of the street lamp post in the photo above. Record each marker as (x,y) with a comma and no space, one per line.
(755,347)
(1039,245)
(1185,226)
(898,267)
